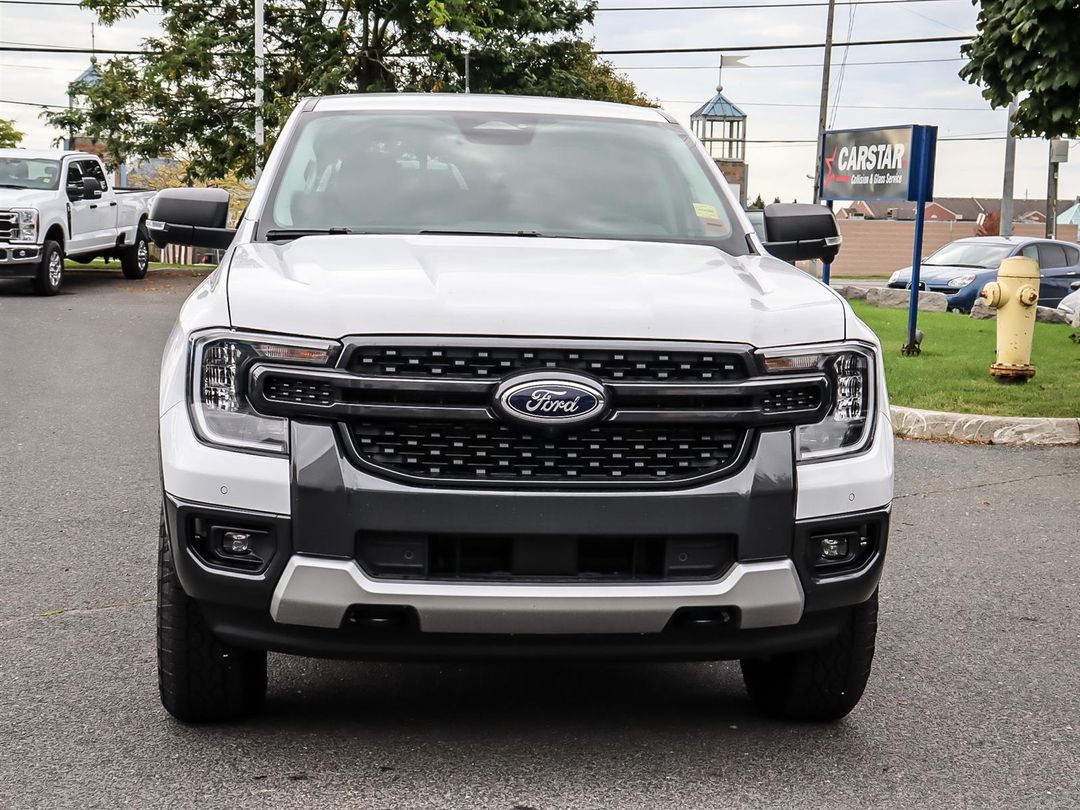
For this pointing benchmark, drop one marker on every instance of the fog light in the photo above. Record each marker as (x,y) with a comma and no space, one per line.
(833,547)
(236,543)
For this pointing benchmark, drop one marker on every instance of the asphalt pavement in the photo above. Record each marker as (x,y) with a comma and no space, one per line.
(974,699)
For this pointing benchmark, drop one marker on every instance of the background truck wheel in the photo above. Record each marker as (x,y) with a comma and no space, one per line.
(135,260)
(821,684)
(200,678)
(50,274)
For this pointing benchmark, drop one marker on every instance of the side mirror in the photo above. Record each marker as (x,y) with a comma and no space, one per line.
(191,216)
(91,188)
(800,231)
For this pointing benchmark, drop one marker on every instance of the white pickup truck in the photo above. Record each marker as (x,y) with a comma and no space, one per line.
(492,376)
(56,204)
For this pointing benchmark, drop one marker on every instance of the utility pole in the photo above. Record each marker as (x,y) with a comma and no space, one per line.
(1010,172)
(1059,153)
(467,54)
(260,137)
(826,72)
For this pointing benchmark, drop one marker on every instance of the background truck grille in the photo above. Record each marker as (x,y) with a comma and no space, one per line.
(9,228)
(492,362)
(490,451)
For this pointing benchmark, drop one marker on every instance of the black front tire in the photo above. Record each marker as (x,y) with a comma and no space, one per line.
(135,260)
(822,684)
(50,272)
(201,679)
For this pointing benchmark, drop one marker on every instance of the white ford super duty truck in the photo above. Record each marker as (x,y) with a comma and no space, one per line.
(56,205)
(495,376)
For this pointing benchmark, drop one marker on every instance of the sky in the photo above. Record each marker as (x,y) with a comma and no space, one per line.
(779,90)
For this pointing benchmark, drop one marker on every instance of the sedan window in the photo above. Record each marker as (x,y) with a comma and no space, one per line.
(1051,256)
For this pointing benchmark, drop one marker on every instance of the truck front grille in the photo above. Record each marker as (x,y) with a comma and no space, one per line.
(9,228)
(491,451)
(492,361)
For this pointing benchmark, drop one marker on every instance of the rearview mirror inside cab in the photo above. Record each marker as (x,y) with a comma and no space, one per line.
(800,231)
(191,216)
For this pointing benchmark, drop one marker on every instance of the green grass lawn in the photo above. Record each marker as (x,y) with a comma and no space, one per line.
(952,372)
(98,264)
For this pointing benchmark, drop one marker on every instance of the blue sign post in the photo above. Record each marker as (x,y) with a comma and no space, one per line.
(894,163)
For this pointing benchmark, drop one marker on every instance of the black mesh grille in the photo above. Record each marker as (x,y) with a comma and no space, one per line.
(492,362)
(284,389)
(791,399)
(489,451)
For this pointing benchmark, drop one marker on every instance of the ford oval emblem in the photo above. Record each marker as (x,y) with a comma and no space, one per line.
(551,399)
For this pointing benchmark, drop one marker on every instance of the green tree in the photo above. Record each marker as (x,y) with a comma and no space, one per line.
(9,136)
(776,200)
(758,204)
(191,93)
(1028,49)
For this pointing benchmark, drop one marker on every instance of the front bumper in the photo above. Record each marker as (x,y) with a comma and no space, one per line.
(306,598)
(18,261)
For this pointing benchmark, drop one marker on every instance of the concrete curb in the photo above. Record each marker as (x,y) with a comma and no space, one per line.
(913,423)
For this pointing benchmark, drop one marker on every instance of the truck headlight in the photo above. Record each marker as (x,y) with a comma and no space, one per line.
(220,410)
(27,221)
(849,424)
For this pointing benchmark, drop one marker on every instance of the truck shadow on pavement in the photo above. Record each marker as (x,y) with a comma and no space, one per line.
(309,694)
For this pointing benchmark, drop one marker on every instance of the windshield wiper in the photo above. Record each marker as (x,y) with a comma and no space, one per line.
(12,185)
(954,264)
(534,234)
(278,234)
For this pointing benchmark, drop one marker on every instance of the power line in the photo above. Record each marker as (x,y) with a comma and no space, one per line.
(841,106)
(790,47)
(789,65)
(617,52)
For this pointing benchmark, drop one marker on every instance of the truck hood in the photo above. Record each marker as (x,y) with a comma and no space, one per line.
(24,197)
(332,286)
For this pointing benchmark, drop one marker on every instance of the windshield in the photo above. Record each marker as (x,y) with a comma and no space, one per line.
(528,175)
(17,172)
(971,254)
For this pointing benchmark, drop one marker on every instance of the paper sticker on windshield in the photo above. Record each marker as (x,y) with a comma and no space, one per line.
(706,211)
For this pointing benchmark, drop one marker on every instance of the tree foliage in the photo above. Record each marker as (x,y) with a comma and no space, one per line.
(758,204)
(9,136)
(192,91)
(1029,49)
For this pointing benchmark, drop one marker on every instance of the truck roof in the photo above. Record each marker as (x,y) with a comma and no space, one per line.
(478,102)
(42,154)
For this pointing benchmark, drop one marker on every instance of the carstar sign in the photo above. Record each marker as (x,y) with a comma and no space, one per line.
(875,164)
(895,163)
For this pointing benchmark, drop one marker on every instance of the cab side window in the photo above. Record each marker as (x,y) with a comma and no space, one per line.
(1051,256)
(73,181)
(1072,255)
(91,168)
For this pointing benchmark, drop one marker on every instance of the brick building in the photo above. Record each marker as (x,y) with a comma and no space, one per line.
(952,209)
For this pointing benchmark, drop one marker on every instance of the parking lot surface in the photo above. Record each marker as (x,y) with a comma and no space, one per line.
(974,700)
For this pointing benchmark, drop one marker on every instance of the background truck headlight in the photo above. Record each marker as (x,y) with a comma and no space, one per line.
(220,411)
(849,424)
(27,220)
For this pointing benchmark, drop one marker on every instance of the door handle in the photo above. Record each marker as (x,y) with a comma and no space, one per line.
(93,205)
(112,203)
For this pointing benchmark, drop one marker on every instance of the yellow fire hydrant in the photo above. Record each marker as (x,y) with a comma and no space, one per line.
(1014,296)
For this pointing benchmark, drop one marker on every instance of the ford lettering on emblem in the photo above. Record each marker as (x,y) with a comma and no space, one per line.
(550,399)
